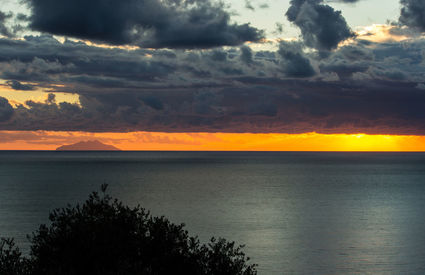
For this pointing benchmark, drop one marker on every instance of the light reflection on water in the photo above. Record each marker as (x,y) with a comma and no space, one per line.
(301,213)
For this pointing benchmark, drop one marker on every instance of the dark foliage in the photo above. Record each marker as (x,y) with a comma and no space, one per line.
(103,236)
(11,260)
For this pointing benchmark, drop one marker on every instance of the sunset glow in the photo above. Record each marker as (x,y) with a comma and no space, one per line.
(295,129)
(47,140)
(37,95)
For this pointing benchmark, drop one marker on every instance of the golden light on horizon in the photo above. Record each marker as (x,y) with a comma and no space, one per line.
(49,140)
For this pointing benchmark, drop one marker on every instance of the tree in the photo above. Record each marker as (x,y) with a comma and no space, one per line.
(103,236)
(11,260)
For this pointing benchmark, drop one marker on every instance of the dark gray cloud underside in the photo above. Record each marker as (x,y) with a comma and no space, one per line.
(294,63)
(147,23)
(297,108)
(357,88)
(6,110)
(16,85)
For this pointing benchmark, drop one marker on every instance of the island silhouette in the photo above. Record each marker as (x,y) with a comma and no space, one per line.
(90,145)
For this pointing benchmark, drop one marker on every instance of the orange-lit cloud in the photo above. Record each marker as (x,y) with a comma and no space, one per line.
(379,33)
(47,140)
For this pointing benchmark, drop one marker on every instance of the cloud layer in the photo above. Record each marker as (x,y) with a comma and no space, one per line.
(313,84)
(362,87)
(146,23)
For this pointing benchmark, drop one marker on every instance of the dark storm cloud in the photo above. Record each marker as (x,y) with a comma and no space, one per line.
(6,110)
(361,87)
(16,85)
(295,64)
(45,60)
(293,107)
(348,60)
(413,14)
(246,55)
(147,23)
(377,61)
(321,26)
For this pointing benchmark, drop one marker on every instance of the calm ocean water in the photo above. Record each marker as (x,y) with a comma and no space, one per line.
(297,213)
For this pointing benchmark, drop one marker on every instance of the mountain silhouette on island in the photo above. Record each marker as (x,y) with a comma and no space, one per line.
(90,145)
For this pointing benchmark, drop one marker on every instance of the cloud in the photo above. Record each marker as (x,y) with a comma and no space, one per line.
(421,86)
(7,28)
(6,110)
(248,5)
(373,86)
(4,30)
(344,1)
(361,87)
(16,85)
(60,138)
(295,64)
(321,26)
(53,138)
(413,14)
(146,23)
(39,137)
(246,55)
(283,107)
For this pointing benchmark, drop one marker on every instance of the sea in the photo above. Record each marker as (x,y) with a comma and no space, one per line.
(295,212)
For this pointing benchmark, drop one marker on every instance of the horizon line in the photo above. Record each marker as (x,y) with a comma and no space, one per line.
(260,151)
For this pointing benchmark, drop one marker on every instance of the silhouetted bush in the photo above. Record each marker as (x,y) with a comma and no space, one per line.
(11,260)
(103,236)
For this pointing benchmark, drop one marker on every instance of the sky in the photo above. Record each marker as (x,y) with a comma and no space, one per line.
(310,75)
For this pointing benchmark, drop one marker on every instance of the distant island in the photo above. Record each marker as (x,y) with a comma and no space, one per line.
(90,145)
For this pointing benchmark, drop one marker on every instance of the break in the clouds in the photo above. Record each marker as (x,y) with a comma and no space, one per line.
(10,24)
(413,14)
(4,30)
(146,23)
(321,26)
